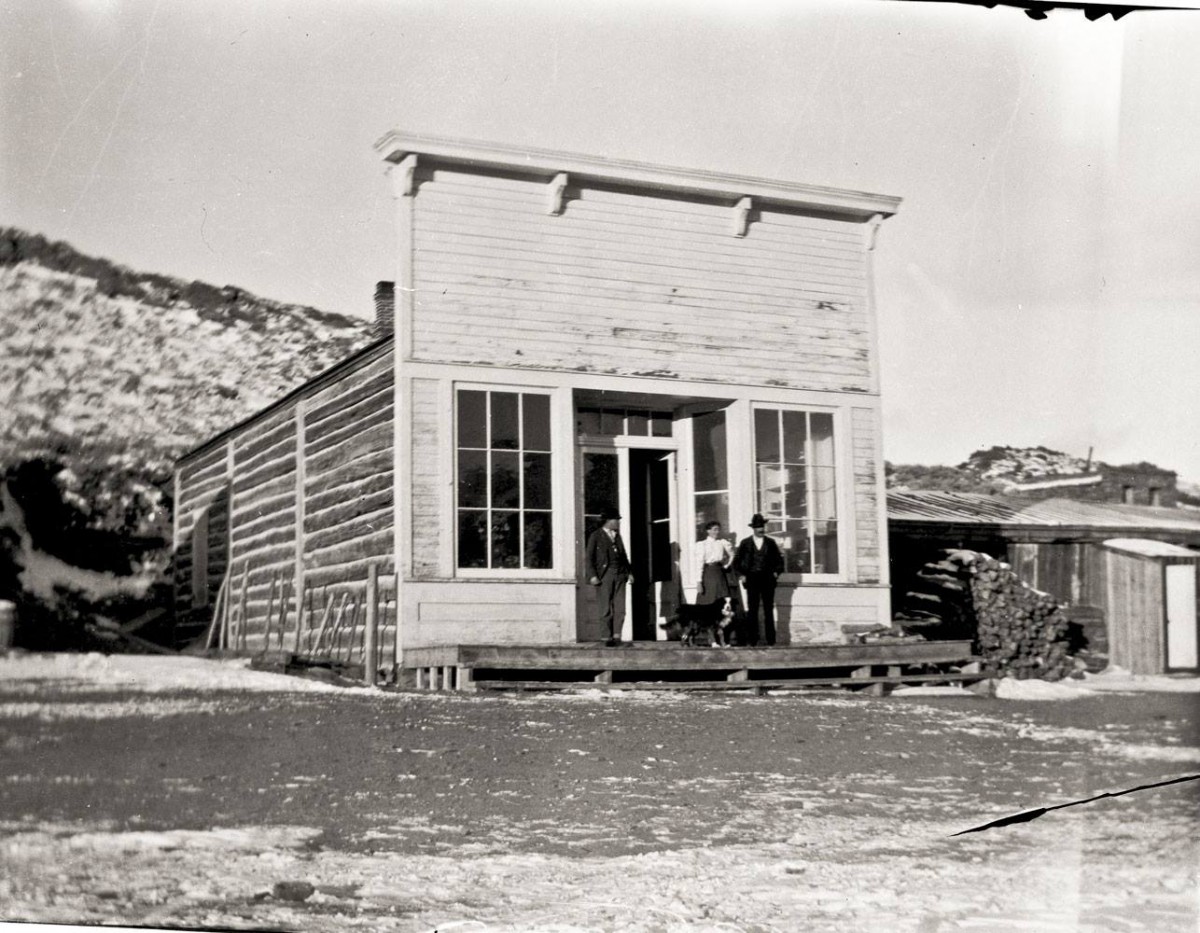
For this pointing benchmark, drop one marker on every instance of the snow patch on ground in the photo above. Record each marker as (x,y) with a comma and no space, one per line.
(1008,688)
(953,691)
(1119,679)
(149,674)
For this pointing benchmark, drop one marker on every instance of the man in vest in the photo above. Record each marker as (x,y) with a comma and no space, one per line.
(758,564)
(608,571)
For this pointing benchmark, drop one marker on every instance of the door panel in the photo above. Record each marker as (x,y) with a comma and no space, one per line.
(1181,617)
(600,483)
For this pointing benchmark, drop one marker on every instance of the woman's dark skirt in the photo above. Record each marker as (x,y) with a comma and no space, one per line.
(716,585)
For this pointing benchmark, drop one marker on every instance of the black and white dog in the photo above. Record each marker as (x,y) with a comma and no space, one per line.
(709,626)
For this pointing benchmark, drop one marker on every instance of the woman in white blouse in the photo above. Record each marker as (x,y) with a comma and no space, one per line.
(713,556)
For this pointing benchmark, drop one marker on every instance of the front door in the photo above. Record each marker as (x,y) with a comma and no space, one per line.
(1181,617)
(640,484)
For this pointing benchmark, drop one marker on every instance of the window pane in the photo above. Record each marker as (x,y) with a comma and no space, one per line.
(472,539)
(506,540)
(637,424)
(824,495)
(794,544)
(770,489)
(766,435)
(612,422)
(587,421)
(660,424)
(506,480)
(822,434)
(795,492)
(537,422)
(472,419)
(709,451)
(712,507)
(538,540)
(795,432)
(504,420)
(537,481)
(472,479)
(825,552)
(599,482)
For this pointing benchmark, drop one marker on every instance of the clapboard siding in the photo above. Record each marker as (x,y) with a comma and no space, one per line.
(427,474)
(635,284)
(867,515)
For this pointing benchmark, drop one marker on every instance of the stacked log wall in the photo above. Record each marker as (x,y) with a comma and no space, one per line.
(263,523)
(298,502)
(202,498)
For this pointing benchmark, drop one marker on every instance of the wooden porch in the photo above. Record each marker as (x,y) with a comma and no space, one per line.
(671,666)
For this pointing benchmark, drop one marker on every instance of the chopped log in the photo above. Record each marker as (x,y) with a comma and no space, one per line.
(242,612)
(270,611)
(370,636)
(218,607)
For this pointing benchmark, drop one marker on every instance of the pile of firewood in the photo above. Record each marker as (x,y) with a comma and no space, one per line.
(1019,631)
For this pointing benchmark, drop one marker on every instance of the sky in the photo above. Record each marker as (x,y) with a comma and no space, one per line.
(1040,284)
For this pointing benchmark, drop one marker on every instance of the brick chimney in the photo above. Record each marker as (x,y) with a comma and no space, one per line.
(385,309)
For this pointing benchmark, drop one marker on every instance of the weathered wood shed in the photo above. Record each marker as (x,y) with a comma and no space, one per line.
(1054,545)
(1152,620)
(571,333)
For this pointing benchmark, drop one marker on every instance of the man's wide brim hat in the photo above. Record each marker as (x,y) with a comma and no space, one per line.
(758,521)
(608,514)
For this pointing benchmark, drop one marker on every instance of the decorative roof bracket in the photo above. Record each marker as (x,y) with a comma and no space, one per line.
(555,189)
(741,216)
(401,174)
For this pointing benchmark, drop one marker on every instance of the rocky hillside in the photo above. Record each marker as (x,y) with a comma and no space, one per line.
(107,375)
(993,470)
(93,355)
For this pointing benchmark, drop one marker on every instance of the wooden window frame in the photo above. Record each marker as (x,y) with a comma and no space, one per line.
(843,481)
(507,573)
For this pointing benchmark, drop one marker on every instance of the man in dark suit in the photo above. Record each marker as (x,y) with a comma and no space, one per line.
(608,571)
(758,564)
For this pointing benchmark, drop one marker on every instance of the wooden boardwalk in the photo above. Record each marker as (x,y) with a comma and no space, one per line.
(670,666)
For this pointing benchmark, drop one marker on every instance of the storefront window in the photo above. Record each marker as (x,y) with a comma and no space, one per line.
(711,471)
(796,486)
(503,482)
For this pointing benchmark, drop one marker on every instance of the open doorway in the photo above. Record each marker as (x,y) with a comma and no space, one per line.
(640,483)
(652,548)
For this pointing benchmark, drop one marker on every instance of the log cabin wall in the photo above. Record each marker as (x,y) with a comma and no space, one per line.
(635,283)
(349,450)
(298,499)
(201,552)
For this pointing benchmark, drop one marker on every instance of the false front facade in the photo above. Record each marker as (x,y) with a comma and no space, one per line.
(571,334)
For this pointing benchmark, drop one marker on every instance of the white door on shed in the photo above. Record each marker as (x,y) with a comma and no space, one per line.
(1181,617)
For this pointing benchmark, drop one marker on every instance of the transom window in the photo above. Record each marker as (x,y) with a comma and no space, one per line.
(796,486)
(504,493)
(622,422)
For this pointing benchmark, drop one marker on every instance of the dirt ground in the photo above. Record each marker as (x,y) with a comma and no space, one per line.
(832,811)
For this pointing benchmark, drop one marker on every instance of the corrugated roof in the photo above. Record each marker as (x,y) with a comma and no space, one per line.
(966,508)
